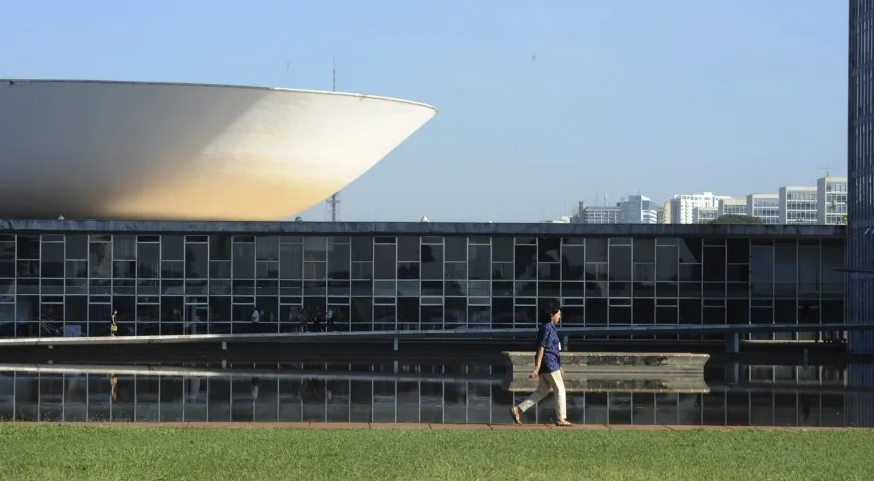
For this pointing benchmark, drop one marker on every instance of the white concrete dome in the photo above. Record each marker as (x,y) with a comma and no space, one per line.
(160,151)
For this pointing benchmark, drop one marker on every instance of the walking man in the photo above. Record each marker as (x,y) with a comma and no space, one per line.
(547,367)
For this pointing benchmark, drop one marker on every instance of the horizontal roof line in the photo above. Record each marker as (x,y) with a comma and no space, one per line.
(423,228)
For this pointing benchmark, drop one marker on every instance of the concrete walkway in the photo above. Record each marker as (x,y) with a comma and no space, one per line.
(487,427)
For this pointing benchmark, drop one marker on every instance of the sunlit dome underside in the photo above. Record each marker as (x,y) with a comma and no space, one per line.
(151,151)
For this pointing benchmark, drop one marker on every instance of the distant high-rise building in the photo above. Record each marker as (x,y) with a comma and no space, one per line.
(561,220)
(797,204)
(831,202)
(732,206)
(683,205)
(703,215)
(597,214)
(824,203)
(660,215)
(764,206)
(638,209)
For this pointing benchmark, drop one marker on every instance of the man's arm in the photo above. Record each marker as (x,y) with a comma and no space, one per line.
(537,362)
(558,356)
(542,342)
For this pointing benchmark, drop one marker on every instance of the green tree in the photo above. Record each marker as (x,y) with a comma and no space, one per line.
(736,219)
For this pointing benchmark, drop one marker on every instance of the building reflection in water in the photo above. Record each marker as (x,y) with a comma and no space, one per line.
(747,395)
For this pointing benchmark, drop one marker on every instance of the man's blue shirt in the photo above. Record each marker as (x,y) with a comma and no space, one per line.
(547,338)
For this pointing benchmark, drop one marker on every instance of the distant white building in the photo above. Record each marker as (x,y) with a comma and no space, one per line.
(597,214)
(638,209)
(683,206)
(764,206)
(831,206)
(825,203)
(703,215)
(561,220)
(797,204)
(732,206)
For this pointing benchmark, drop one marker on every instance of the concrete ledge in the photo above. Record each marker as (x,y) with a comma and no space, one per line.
(217,373)
(578,384)
(26,226)
(639,362)
(441,334)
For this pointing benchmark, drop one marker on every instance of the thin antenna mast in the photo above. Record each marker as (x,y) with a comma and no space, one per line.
(333,202)
(826,169)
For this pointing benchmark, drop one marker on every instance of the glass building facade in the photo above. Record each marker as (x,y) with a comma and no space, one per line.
(161,280)
(860,171)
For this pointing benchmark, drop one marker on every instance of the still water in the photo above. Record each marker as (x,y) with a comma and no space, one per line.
(733,394)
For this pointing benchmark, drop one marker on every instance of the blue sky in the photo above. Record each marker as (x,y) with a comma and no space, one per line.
(542,104)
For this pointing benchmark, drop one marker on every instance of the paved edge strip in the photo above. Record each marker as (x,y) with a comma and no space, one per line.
(438,426)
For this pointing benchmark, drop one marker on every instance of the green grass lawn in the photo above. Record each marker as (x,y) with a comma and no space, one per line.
(49,453)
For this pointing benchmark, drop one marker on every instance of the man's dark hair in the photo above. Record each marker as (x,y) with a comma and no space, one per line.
(549,313)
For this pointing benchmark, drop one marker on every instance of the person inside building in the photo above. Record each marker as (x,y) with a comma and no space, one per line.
(113,326)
